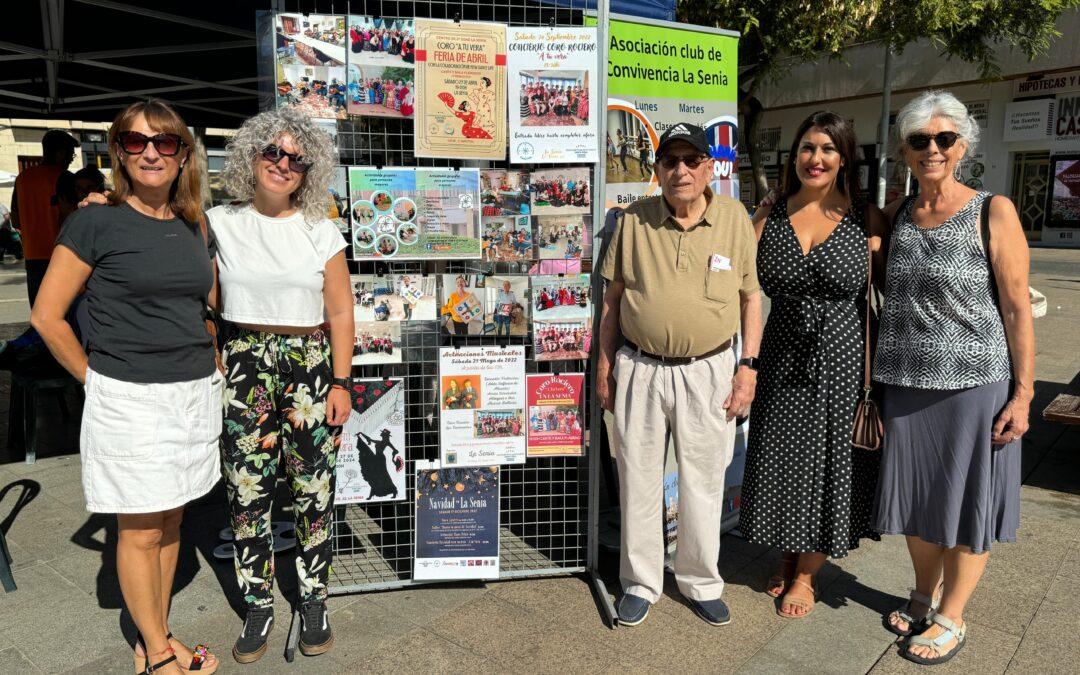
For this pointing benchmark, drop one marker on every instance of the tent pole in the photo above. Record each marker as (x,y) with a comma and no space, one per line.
(883,133)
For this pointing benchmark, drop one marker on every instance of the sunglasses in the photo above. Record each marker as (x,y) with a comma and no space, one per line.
(691,161)
(134,143)
(943,139)
(273,154)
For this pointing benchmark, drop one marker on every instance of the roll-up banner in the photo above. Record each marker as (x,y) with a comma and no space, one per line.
(659,74)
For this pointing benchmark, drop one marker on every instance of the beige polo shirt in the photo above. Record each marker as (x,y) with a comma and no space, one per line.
(682,287)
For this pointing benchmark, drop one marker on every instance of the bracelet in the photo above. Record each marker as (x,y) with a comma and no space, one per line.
(339,386)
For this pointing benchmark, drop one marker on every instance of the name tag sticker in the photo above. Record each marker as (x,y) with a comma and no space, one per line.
(718,263)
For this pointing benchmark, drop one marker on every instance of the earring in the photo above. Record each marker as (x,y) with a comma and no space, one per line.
(956,172)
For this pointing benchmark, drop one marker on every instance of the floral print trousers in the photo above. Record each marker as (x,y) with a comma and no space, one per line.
(275,414)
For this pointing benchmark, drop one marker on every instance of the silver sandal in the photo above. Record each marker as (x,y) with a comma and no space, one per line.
(904,614)
(952,631)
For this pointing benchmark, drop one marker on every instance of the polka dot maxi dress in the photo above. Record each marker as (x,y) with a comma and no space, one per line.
(805,488)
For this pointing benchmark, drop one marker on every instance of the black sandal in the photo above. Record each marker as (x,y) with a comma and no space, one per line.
(199,656)
(160,664)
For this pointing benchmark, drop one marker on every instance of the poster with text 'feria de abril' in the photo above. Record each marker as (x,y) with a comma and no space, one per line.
(461,90)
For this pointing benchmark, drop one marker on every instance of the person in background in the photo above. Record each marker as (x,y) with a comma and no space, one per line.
(282,273)
(153,395)
(681,283)
(9,236)
(807,491)
(33,212)
(88,180)
(505,302)
(66,198)
(956,353)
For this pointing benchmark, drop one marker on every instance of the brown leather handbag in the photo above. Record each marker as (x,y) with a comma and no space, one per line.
(868,430)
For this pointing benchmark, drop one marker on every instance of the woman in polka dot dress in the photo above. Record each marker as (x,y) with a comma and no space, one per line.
(806,491)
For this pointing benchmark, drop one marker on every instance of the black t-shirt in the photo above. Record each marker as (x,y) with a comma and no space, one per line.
(146,295)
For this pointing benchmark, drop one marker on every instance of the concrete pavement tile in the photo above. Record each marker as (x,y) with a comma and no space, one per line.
(562,650)
(14,661)
(51,613)
(553,597)
(492,626)
(1014,583)
(839,636)
(1050,639)
(1070,566)
(987,651)
(43,528)
(424,605)
(422,651)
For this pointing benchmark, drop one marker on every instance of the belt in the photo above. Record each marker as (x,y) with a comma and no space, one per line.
(676,360)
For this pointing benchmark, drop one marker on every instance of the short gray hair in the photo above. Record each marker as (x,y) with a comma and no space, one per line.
(935,103)
(312,198)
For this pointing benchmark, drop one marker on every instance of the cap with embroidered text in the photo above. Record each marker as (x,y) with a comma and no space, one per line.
(688,133)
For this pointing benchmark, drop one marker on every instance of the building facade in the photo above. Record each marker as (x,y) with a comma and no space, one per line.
(1029,121)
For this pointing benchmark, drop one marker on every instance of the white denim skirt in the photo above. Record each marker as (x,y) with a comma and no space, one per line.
(149,447)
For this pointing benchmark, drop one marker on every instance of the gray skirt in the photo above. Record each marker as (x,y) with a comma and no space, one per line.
(941,480)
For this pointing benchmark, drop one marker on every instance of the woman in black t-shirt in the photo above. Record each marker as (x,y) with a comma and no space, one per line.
(153,394)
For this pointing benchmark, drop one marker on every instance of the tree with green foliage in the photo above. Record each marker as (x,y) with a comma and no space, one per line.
(777,34)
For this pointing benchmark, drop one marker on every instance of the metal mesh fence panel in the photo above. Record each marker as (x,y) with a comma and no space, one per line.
(544,502)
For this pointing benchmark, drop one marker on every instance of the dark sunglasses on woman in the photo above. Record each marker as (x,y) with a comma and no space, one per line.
(273,154)
(134,143)
(943,139)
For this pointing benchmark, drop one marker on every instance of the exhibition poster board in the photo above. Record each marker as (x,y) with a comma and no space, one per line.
(556,427)
(660,74)
(552,95)
(461,90)
(414,214)
(371,456)
(457,523)
(482,401)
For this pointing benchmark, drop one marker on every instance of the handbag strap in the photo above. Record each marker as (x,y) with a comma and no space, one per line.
(866,340)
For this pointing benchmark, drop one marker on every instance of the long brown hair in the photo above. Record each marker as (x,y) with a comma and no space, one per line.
(840,130)
(185,195)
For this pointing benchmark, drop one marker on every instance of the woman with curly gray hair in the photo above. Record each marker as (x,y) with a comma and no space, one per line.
(956,354)
(282,273)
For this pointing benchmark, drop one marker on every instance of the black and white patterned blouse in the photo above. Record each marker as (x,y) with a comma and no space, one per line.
(940,326)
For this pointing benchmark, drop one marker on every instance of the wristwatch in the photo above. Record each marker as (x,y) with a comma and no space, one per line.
(751,362)
(345,382)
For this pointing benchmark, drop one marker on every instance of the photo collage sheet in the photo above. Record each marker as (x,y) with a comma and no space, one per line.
(513,96)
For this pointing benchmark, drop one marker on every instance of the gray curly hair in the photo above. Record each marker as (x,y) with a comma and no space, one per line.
(312,197)
(918,112)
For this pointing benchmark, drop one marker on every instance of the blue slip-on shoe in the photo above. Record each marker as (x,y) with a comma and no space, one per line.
(713,612)
(632,610)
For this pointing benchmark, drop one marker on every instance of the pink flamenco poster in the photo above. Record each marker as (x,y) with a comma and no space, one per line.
(461,90)
(555,415)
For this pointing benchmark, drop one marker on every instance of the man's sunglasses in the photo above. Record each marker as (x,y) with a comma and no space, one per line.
(943,139)
(691,161)
(134,143)
(273,154)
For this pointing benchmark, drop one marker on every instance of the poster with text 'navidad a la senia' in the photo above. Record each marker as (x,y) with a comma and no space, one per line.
(461,90)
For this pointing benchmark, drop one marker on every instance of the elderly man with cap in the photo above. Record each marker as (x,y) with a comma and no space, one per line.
(681,281)
(33,210)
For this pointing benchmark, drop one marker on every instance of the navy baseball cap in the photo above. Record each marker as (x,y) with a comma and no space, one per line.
(688,133)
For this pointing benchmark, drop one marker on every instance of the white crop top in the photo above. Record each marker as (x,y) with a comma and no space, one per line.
(271,269)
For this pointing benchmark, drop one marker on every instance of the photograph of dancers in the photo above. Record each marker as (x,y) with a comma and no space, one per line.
(386,42)
(371,457)
(557,192)
(380,91)
(498,423)
(562,340)
(630,148)
(554,98)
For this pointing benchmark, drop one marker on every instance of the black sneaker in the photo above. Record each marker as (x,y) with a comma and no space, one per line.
(251,644)
(315,634)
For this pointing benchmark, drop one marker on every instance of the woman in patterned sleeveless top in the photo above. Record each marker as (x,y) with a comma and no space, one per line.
(956,355)
(807,491)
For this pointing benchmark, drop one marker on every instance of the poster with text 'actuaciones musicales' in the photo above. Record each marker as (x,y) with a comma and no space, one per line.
(461,90)
(660,74)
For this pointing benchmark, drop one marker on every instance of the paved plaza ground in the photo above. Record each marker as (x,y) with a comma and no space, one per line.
(65,615)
